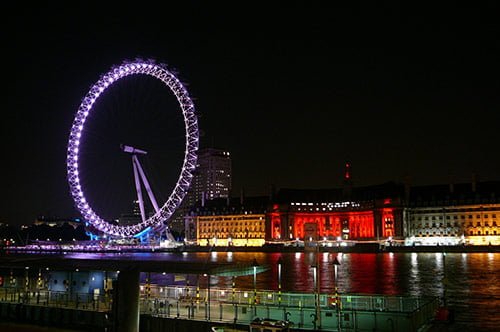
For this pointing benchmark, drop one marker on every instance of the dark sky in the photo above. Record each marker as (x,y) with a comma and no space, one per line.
(292,91)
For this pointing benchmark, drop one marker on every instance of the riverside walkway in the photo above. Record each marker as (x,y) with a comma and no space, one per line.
(224,307)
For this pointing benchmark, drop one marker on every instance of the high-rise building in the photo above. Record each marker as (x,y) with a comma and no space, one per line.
(212,179)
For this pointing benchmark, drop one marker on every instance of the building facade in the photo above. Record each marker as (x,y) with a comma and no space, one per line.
(228,222)
(212,179)
(364,213)
(467,213)
(421,215)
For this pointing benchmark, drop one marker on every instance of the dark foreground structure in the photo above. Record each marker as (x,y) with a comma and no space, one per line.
(132,306)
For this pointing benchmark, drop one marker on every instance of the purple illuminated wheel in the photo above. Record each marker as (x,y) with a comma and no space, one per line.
(157,221)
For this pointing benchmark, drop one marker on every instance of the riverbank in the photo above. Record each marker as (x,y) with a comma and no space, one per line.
(268,248)
(357,248)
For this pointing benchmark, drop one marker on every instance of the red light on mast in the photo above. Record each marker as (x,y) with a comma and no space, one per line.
(347,174)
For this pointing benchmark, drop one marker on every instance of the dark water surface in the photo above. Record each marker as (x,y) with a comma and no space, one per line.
(470,282)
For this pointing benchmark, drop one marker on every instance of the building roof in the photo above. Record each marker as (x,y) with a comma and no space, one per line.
(456,194)
(380,191)
(234,205)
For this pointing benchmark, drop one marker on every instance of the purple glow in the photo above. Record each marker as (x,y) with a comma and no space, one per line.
(160,72)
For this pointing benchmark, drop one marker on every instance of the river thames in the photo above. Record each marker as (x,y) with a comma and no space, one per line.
(470,282)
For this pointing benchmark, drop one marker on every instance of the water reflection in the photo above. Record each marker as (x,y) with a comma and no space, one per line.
(471,284)
(414,276)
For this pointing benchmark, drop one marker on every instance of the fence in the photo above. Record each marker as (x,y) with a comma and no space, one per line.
(235,306)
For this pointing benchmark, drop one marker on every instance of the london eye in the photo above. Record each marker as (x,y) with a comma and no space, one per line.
(161,212)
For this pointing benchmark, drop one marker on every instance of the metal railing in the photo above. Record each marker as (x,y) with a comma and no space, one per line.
(238,306)
(44,297)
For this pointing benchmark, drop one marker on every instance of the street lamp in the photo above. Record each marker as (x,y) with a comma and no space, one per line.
(280,262)
(254,265)
(317,314)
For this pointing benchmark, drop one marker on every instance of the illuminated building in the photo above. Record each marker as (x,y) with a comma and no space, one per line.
(132,218)
(362,213)
(212,179)
(57,222)
(228,222)
(435,214)
(467,213)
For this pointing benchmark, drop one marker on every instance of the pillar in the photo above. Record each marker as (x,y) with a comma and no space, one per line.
(126,302)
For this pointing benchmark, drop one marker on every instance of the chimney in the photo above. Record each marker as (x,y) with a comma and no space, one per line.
(272,191)
(407,184)
(474,182)
(452,185)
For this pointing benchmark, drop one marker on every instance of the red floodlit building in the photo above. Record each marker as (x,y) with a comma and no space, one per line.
(362,213)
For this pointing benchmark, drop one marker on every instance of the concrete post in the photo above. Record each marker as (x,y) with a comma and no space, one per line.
(126,302)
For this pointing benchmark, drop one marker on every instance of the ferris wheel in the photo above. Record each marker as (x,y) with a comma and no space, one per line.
(162,210)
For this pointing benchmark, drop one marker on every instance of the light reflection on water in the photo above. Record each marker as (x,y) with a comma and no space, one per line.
(472,279)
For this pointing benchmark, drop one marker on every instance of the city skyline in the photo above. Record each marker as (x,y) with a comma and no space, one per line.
(292,96)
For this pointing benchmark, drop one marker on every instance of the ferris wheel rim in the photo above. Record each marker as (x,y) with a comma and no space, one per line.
(127,68)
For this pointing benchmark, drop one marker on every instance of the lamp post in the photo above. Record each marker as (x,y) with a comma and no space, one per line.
(254,265)
(335,264)
(208,295)
(316,287)
(445,281)
(280,262)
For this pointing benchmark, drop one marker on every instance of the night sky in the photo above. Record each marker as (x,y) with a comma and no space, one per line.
(292,91)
